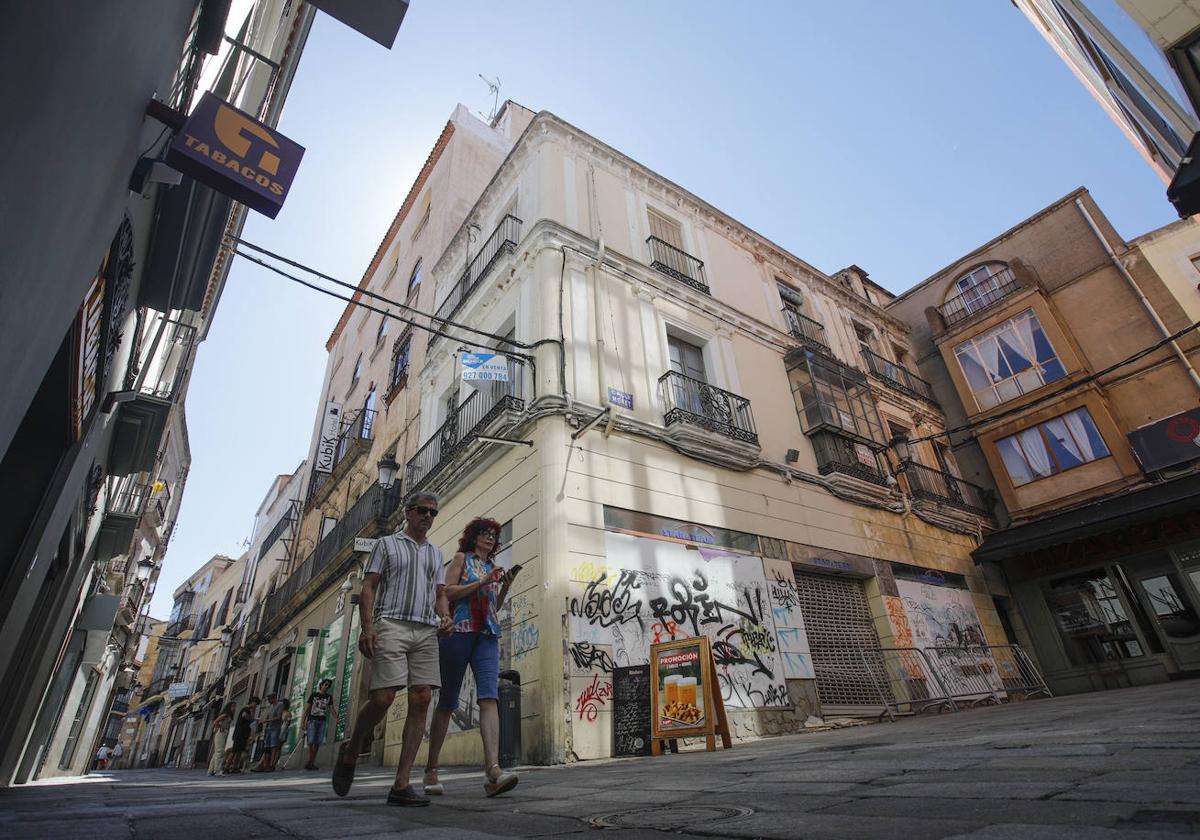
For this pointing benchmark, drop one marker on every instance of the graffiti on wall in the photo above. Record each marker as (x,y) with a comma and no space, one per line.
(940,616)
(794,652)
(654,591)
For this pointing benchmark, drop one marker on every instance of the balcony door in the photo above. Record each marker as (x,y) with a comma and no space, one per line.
(687,359)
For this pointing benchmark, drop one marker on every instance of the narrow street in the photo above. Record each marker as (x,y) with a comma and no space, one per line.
(1112,764)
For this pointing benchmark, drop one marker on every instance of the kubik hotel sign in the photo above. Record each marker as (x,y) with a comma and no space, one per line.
(235,154)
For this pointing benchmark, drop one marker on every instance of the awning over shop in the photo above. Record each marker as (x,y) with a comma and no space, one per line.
(1112,514)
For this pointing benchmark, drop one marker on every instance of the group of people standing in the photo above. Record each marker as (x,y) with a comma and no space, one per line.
(233,731)
(423,624)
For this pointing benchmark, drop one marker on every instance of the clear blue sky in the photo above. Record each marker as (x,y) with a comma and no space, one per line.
(897,136)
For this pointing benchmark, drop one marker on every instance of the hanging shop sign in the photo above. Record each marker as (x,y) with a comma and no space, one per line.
(235,154)
(1168,442)
(179,689)
(87,354)
(379,20)
(327,444)
(484,367)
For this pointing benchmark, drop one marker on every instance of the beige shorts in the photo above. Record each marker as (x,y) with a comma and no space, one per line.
(406,654)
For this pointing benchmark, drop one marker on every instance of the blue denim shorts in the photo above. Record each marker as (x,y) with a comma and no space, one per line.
(274,736)
(482,653)
(315,733)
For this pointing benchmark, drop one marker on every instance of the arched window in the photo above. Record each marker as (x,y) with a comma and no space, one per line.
(979,288)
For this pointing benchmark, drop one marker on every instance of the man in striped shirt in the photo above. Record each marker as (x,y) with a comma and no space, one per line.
(403,608)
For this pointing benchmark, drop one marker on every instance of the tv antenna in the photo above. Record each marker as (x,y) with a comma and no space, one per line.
(494,90)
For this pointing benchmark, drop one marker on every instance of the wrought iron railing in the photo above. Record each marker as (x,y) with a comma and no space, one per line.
(358,428)
(375,504)
(180,625)
(470,419)
(132,599)
(503,240)
(999,286)
(897,375)
(805,330)
(937,486)
(277,530)
(694,401)
(165,366)
(120,707)
(838,454)
(676,263)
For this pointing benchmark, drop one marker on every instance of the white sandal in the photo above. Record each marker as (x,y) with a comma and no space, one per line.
(434,789)
(501,784)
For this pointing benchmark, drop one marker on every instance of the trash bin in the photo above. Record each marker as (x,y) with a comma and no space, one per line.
(509,689)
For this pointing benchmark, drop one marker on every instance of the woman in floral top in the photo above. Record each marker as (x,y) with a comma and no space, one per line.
(476,594)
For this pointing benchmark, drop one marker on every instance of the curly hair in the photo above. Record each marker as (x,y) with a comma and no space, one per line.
(471,533)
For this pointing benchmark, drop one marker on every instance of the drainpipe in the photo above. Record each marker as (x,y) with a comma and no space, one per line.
(597,232)
(1162,328)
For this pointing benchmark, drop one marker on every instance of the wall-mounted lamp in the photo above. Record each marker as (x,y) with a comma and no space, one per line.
(143,569)
(899,444)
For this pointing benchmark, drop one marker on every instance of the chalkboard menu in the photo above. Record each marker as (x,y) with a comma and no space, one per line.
(631,710)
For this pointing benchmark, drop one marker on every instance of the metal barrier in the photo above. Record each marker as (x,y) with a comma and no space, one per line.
(910,680)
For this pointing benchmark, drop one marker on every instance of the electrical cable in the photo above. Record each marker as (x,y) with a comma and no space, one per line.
(368,292)
(1070,386)
(369,307)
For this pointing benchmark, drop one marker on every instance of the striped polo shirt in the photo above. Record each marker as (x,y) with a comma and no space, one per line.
(409,574)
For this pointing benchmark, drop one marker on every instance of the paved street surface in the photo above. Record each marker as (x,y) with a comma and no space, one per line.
(1116,764)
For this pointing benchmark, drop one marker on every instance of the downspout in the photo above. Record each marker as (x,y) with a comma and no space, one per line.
(1133,286)
(597,233)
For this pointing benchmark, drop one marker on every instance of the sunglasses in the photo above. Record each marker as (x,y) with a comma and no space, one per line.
(491,534)
(425,511)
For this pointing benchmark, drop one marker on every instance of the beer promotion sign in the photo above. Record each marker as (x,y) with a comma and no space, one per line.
(680,681)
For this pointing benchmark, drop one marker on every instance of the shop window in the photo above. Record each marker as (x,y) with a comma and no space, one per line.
(1052,447)
(1092,618)
(1008,361)
(1175,615)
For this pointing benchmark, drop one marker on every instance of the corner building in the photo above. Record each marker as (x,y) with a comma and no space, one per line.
(707,418)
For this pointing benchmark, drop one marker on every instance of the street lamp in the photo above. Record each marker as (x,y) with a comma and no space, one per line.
(899,445)
(144,568)
(388,467)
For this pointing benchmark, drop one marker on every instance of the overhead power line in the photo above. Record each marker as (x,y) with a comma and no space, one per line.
(352,301)
(1070,386)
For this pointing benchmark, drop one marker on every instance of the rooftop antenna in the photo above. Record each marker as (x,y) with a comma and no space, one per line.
(494,90)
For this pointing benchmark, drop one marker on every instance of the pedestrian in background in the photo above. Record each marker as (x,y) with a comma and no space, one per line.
(220,738)
(117,752)
(102,757)
(272,734)
(403,609)
(476,589)
(241,737)
(315,721)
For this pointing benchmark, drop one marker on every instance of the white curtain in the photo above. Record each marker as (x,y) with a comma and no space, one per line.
(1035,452)
(1025,323)
(989,351)
(1058,429)
(1078,425)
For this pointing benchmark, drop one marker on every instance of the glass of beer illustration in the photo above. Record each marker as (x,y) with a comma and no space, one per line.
(687,690)
(671,686)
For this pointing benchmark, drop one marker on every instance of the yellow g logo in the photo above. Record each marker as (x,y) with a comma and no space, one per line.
(231,128)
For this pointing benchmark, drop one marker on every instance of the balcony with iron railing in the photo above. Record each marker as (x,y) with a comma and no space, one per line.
(808,332)
(366,517)
(290,516)
(483,412)
(353,441)
(694,401)
(897,376)
(180,625)
(982,296)
(677,264)
(836,453)
(503,240)
(930,485)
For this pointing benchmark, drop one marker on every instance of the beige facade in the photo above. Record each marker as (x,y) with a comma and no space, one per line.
(1051,347)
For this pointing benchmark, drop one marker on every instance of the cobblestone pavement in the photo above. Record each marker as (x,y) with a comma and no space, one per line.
(1114,764)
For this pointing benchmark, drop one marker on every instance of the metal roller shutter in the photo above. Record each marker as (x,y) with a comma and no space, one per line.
(839,625)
